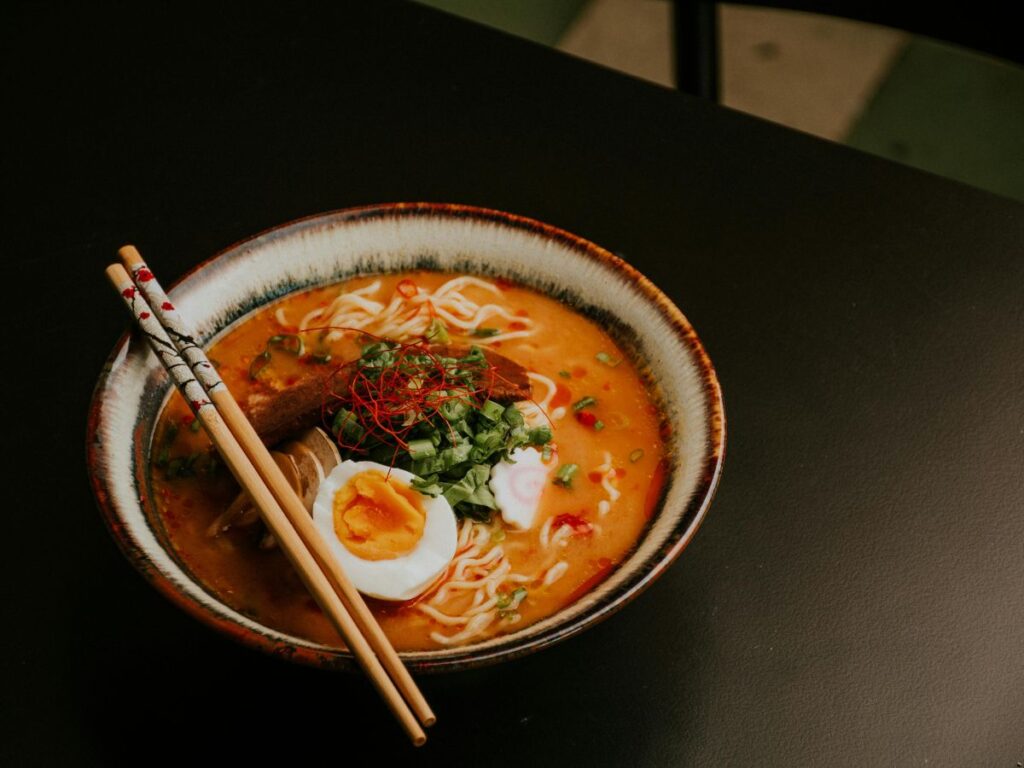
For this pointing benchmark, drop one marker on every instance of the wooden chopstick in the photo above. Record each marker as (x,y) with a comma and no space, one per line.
(277,521)
(184,338)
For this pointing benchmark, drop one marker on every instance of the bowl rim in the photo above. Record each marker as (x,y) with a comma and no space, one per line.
(689,521)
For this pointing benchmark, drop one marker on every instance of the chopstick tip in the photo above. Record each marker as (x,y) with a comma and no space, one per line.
(117,275)
(129,254)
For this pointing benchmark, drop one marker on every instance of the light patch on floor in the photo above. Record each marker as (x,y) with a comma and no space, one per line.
(809,72)
(633,36)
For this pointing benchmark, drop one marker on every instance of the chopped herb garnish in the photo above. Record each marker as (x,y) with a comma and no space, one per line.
(492,411)
(421,449)
(164,453)
(186,466)
(565,374)
(498,535)
(598,425)
(484,333)
(287,342)
(347,425)
(261,361)
(427,486)
(472,489)
(636,455)
(604,357)
(323,359)
(429,414)
(565,474)
(513,417)
(195,426)
(584,402)
(545,454)
(510,601)
(539,435)
(437,333)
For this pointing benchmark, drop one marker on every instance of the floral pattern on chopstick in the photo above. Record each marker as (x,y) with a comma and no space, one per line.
(164,349)
(176,328)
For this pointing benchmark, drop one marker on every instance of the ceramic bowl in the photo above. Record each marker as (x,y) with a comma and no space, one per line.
(331,247)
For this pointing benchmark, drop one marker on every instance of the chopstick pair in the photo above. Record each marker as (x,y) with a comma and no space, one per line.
(250,462)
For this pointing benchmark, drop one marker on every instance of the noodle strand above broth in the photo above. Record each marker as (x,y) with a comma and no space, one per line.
(546,494)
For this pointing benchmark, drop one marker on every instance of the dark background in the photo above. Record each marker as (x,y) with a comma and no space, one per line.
(856,595)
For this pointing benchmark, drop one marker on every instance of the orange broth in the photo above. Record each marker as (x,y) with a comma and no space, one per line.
(564,347)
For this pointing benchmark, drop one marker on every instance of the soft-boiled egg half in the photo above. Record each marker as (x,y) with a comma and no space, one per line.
(518,485)
(391,540)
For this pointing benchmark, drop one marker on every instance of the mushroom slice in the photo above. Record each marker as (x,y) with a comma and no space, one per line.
(315,456)
(242,511)
(305,462)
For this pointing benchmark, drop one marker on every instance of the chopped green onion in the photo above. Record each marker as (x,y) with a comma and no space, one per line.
(565,374)
(170,433)
(421,449)
(487,443)
(288,342)
(212,464)
(545,454)
(181,466)
(258,364)
(346,425)
(636,455)
(427,485)
(598,425)
(454,409)
(437,332)
(513,417)
(492,411)
(585,402)
(604,357)
(518,595)
(195,426)
(565,474)
(484,333)
(539,435)
(321,359)
(511,600)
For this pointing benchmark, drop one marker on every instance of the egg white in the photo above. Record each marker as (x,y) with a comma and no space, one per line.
(518,486)
(403,577)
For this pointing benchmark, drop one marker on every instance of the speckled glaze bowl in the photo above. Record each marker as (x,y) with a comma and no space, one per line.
(327,248)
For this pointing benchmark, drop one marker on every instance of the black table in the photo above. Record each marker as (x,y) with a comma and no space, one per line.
(856,596)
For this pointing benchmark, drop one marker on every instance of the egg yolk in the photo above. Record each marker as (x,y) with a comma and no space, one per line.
(376,518)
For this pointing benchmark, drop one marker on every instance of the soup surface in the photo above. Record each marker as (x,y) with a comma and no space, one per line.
(602,465)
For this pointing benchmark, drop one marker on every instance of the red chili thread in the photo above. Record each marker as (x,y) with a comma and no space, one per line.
(388,403)
(387,407)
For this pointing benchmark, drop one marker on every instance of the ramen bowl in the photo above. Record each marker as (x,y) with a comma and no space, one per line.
(329,248)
